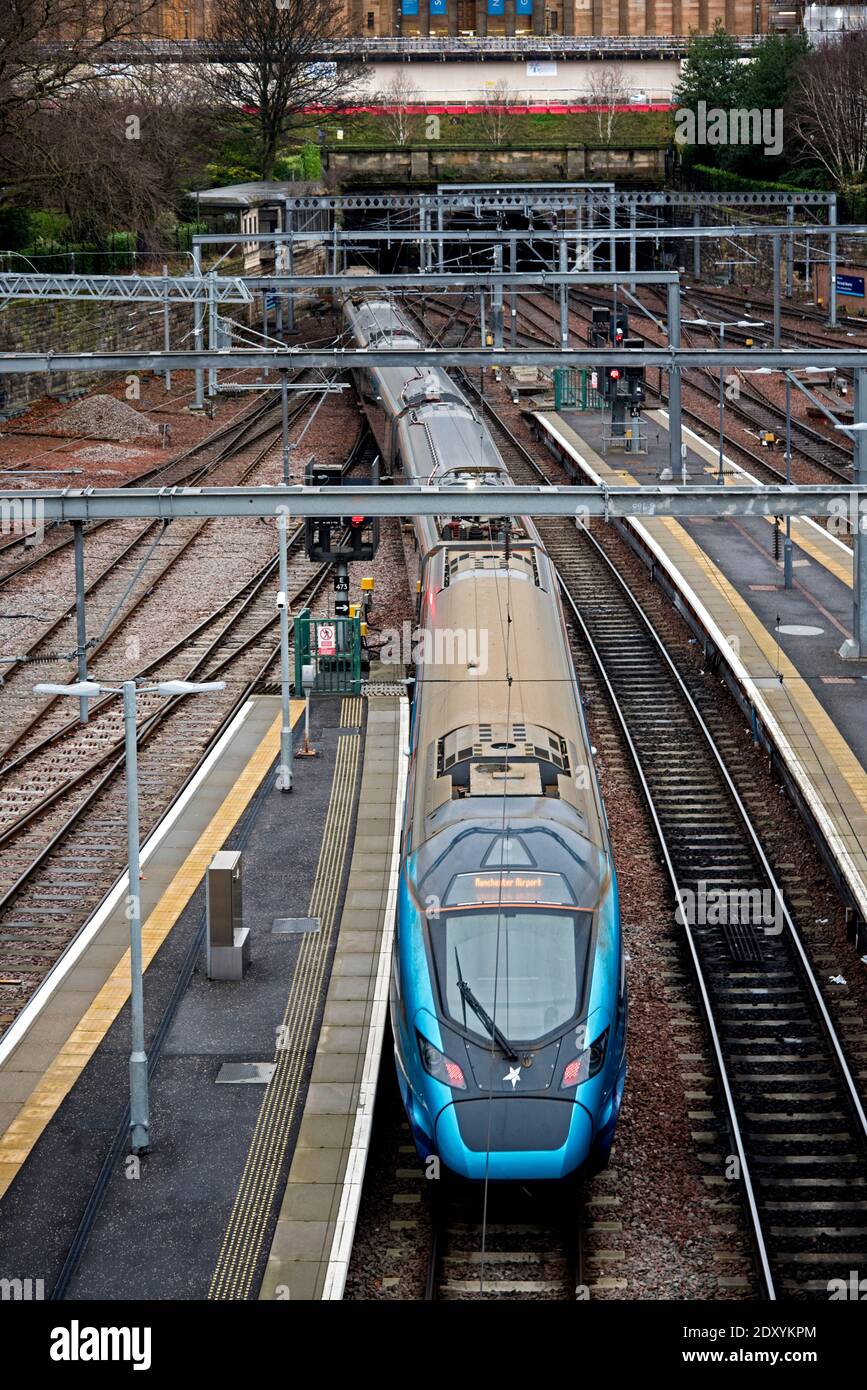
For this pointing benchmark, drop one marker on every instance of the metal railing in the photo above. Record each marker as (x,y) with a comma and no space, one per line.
(396,46)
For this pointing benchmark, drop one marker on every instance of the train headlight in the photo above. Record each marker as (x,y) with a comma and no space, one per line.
(587,1064)
(439,1066)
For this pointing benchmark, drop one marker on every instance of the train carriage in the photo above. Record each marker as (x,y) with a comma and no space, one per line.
(508,994)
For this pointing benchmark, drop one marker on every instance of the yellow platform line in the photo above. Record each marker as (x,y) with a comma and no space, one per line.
(242,1242)
(350,712)
(61,1074)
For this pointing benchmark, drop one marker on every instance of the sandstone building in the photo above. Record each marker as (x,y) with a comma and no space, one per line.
(192,19)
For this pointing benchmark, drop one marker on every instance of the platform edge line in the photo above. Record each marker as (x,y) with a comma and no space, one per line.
(350,1197)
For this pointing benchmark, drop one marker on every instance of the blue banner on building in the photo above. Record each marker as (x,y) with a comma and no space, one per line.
(496,6)
(409,6)
(523,6)
(438,6)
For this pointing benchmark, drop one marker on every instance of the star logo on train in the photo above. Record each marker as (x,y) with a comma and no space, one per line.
(513,1075)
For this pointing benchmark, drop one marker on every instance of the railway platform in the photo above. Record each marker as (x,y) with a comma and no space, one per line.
(777,648)
(251,1082)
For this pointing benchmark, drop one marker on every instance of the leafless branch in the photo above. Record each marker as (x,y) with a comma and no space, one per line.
(606,90)
(399,101)
(827,111)
(496,115)
(51,47)
(276,74)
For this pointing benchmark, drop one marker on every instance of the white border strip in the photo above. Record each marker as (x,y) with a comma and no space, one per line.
(835,842)
(350,1197)
(19,1029)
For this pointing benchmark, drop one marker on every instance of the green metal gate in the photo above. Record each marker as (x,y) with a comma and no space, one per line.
(333,647)
(573,390)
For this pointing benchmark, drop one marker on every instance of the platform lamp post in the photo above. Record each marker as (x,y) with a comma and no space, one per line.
(855,648)
(788,549)
(787,543)
(139,1111)
(721,327)
(285,775)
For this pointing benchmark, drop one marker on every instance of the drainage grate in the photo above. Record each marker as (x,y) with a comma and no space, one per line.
(742,941)
(246,1073)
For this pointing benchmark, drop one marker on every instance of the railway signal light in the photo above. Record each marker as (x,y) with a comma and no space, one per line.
(609,376)
(363,536)
(634,373)
(339,539)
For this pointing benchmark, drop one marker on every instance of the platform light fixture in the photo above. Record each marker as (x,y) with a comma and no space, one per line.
(788,549)
(720,326)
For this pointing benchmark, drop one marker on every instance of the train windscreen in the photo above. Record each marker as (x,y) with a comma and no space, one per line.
(526,967)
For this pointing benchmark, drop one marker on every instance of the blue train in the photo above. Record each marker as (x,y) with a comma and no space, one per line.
(508,996)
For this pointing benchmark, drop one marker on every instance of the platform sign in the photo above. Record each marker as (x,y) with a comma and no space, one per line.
(508,886)
(851,284)
(333,646)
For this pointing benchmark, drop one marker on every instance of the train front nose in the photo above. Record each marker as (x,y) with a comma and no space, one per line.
(510,1138)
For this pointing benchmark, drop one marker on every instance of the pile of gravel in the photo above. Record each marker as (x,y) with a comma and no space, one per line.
(108,453)
(104,417)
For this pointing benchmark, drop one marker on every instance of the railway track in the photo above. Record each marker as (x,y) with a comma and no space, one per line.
(797,1132)
(64,849)
(460,320)
(184,469)
(520,1245)
(835,456)
(814,454)
(754,410)
(36,773)
(823,337)
(113,597)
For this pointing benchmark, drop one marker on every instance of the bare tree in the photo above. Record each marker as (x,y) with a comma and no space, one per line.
(115,156)
(606,91)
(399,101)
(827,110)
(51,47)
(497,110)
(274,70)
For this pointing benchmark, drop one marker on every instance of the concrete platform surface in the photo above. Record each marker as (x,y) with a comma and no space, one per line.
(195,1217)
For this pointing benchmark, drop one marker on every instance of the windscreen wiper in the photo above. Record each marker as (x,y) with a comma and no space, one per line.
(478,1009)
